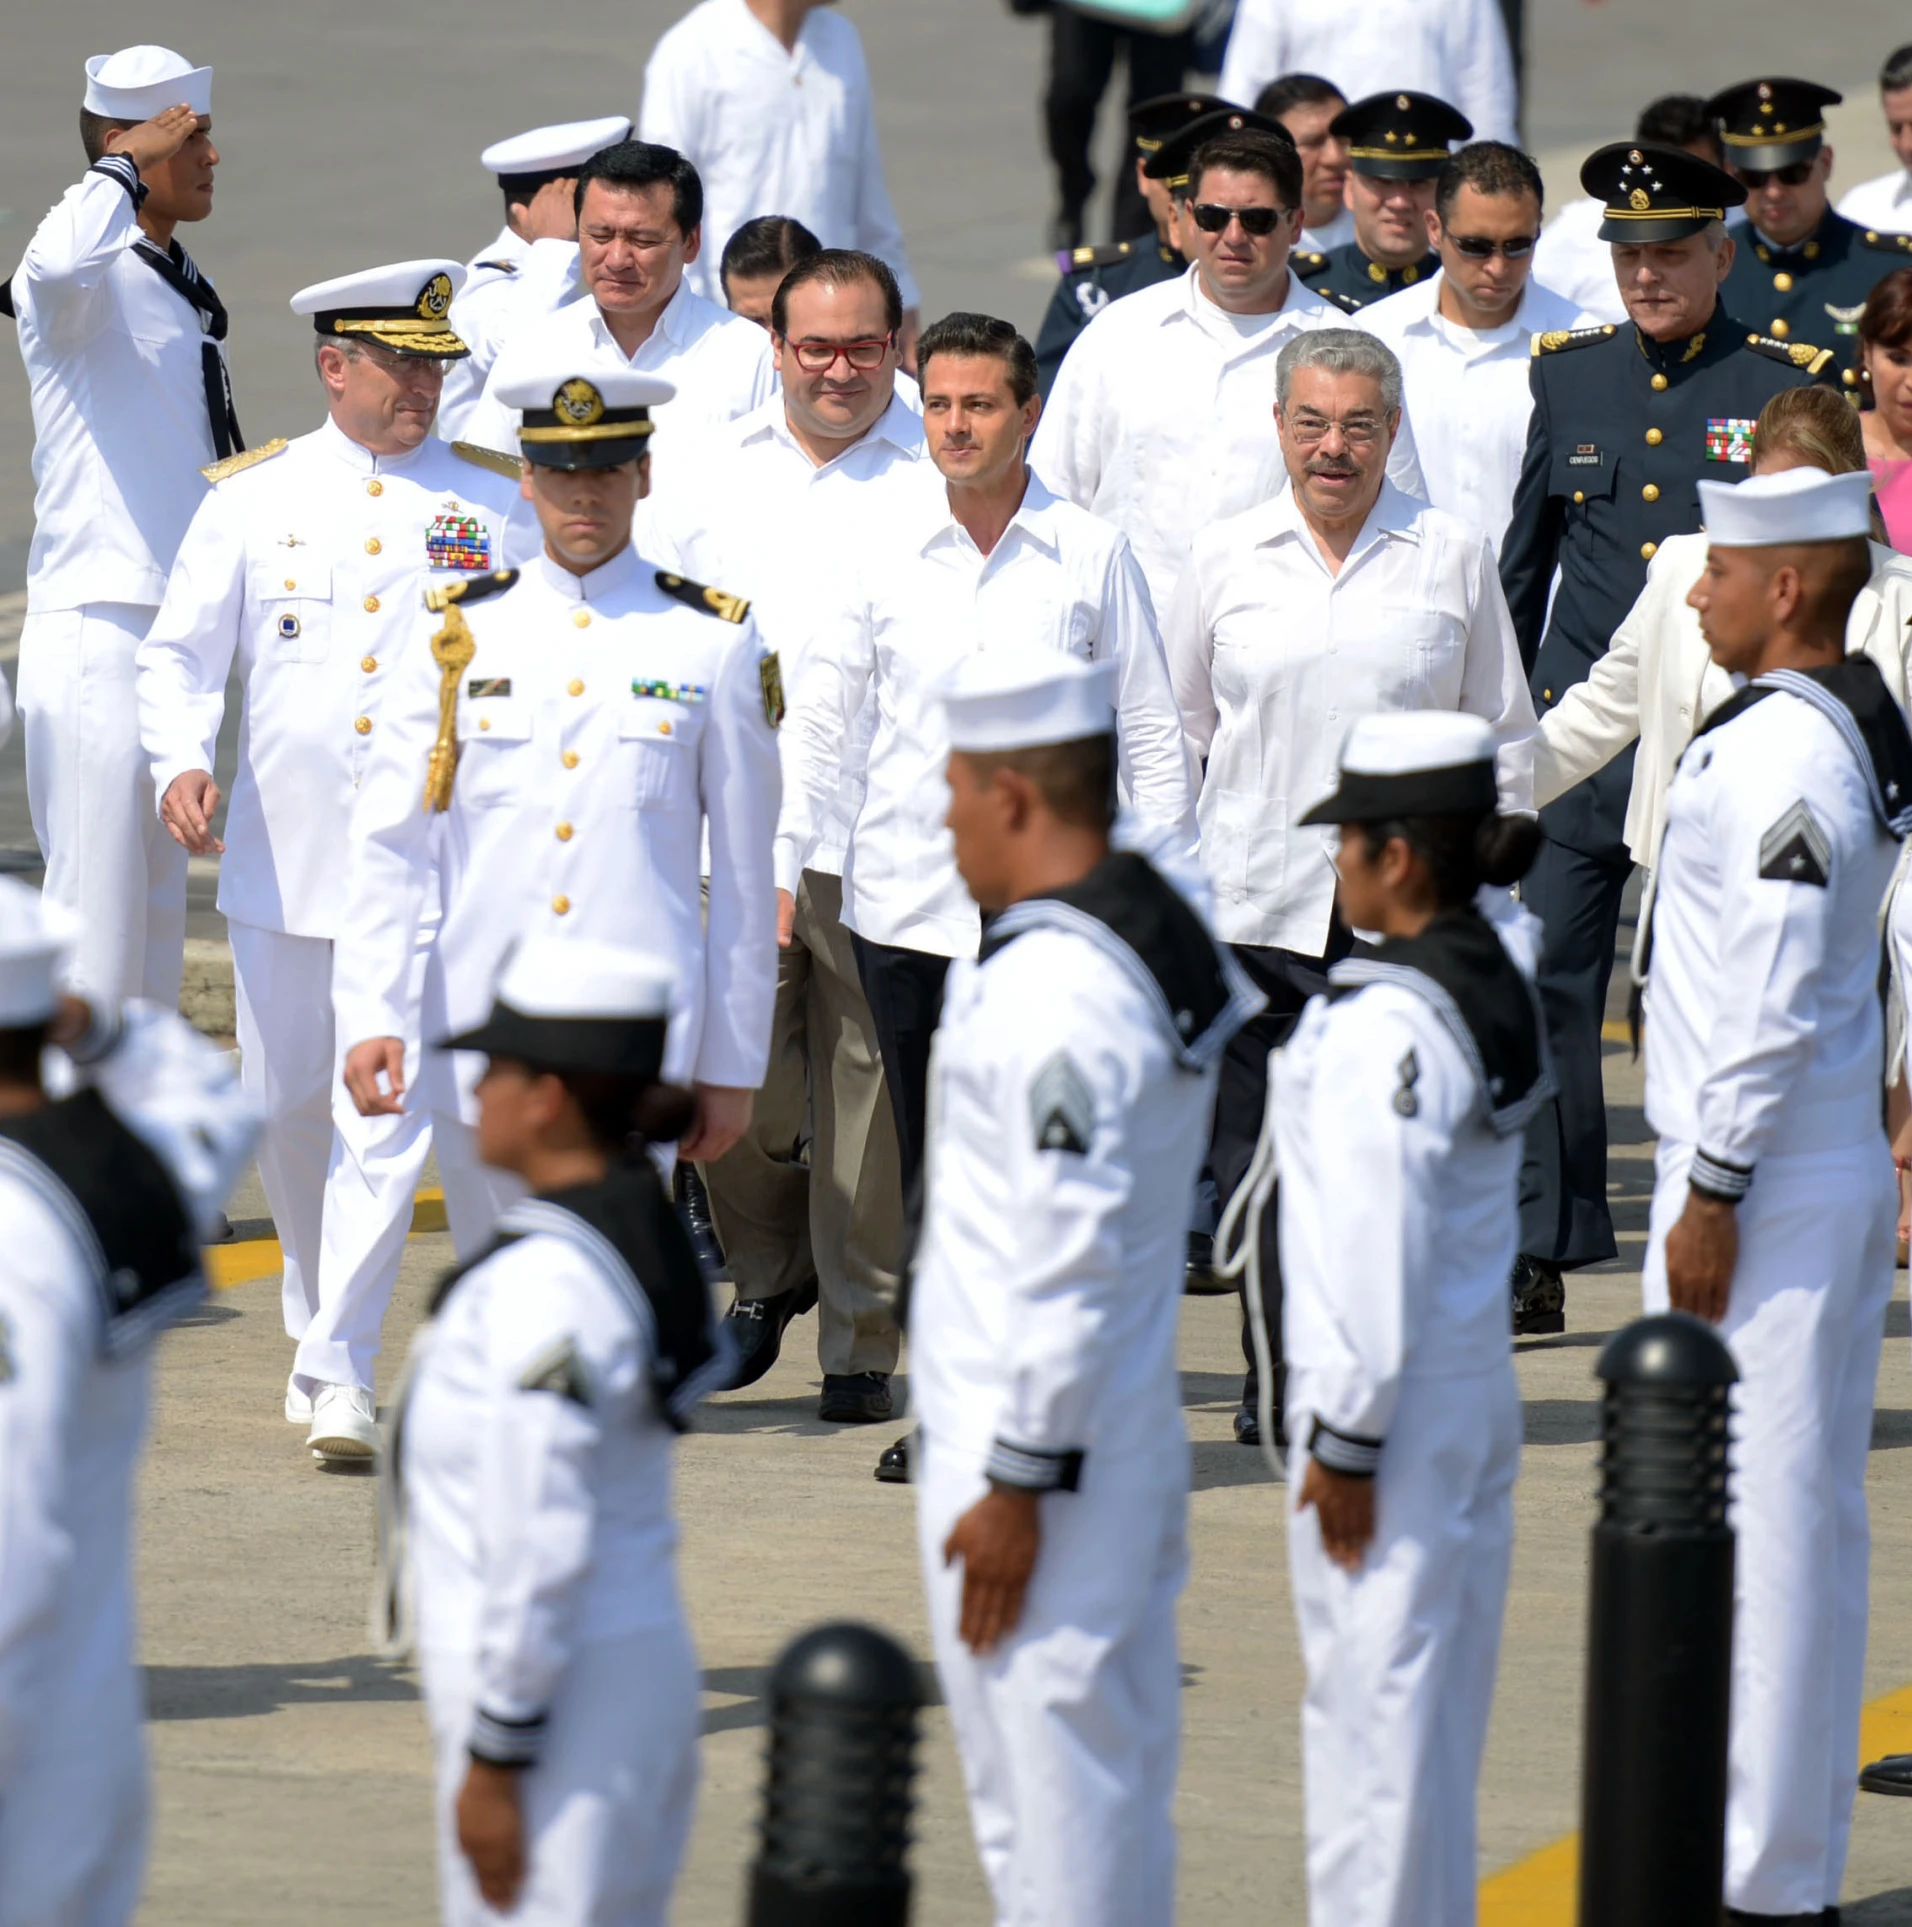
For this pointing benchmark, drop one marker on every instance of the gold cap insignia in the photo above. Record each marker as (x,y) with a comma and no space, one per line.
(1639,200)
(1236,123)
(1765,92)
(1401,101)
(1637,158)
(578,403)
(434,301)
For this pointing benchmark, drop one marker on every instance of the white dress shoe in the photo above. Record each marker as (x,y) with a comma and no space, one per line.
(344,1423)
(298,1404)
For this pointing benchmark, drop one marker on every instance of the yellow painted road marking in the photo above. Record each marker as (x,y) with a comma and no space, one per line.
(240,1264)
(1615,1034)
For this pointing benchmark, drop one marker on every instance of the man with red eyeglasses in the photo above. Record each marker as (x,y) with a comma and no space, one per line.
(778,504)
(1802,271)
(1464,338)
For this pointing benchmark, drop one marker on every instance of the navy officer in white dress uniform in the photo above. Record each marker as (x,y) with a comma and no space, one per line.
(583,733)
(1774,1202)
(1070,1090)
(536,1563)
(113,1167)
(1408,1085)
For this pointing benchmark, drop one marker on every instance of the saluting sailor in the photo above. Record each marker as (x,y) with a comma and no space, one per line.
(1072,1082)
(302,570)
(1408,1084)
(1774,1202)
(532,1462)
(106,1191)
(580,732)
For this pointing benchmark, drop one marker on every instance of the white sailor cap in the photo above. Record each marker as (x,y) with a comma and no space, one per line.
(1412,762)
(1796,505)
(555,150)
(596,418)
(138,82)
(35,939)
(1006,699)
(578,1005)
(402,306)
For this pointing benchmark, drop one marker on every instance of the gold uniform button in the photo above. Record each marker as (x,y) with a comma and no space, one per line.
(375,487)
(484,722)
(574,687)
(562,905)
(290,583)
(1654,438)
(663,729)
(1658,382)
(363,725)
(1782,283)
(582,618)
(1651,493)
(570,759)
(368,663)
(1546,695)
(1780,330)
(371,605)
(564,833)
(1580,495)
(1648,550)
(373,546)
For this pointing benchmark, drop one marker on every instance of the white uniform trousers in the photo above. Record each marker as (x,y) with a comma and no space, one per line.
(1070,1732)
(1401,1658)
(608,1806)
(1805,1323)
(476,1196)
(90,793)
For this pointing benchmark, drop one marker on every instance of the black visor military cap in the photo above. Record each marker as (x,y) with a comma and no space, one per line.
(1151,122)
(1169,163)
(1767,124)
(1400,137)
(1652,192)
(597,420)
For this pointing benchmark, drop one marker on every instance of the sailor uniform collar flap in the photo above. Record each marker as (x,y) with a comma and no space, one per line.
(1459,965)
(121,1208)
(627,1227)
(1852,696)
(1128,909)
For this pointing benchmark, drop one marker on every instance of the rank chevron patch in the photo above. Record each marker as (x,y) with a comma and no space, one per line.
(1795,849)
(1062,1107)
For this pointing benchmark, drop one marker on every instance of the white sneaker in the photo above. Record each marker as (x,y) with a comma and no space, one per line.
(298,1404)
(344,1423)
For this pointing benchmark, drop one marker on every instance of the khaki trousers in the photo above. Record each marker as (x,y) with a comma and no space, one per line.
(839,1218)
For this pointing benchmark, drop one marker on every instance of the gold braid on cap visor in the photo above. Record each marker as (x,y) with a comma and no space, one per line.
(1664,213)
(597,432)
(1773,136)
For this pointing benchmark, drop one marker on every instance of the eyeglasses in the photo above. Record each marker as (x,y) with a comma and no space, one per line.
(819,357)
(1795,174)
(1258,221)
(1358,431)
(1477,247)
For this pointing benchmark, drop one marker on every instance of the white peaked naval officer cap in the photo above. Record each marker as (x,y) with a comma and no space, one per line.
(138,82)
(1412,762)
(549,150)
(1796,505)
(402,306)
(35,939)
(1006,700)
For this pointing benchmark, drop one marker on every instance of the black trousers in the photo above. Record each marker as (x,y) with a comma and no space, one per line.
(1082,53)
(905,992)
(1564,1218)
(1287,979)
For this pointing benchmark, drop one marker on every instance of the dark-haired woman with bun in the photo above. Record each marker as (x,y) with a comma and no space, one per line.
(1885,384)
(1407,1088)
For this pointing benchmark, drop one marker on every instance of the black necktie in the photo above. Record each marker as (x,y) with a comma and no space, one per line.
(175,267)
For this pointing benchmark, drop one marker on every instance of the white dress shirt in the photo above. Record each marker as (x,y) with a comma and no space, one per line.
(773,132)
(1572,259)
(924,596)
(1274,657)
(758,517)
(1468,394)
(1455,49)
(1331,235)
(1162,418)
(505,288)
(120,429)
(1884,203)
(300,579)
(720,363)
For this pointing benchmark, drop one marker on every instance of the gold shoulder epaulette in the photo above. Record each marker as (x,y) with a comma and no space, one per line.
(1309,263)
(494,459)
(468,589)
(1556,339)
(1102,255)
(1796,354)
(710,602)
(231,465)
(1888,243)
(503,267)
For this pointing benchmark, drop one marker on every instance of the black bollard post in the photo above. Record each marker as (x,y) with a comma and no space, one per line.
(836,1814)
(1660,1633)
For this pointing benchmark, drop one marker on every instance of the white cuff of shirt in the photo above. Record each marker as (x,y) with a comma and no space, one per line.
(1348,1453)
(1715,1178)
(120,168)
(501,1742)
(1025,1468)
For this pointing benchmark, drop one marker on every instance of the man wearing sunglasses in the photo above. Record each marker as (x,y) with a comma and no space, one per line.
(1463,338)
(1802,271)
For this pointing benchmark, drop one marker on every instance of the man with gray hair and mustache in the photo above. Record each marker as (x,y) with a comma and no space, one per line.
(1340,597)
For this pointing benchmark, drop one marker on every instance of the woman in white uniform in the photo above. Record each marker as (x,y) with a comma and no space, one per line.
(531,1459)
(1407,1085)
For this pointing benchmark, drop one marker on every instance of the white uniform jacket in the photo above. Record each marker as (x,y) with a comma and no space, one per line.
(104,1199)
(1070,1091)
(1162,418)
(1419,1074)
(601,726)
(922,596)
(514,282)
(1571,258)
(1883,203)
(118,386)
(1658,682)
(304,572)
(1762,998)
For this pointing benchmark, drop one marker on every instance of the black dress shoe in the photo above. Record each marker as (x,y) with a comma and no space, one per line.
(893,1468)
(1540,1297)
(1198,1275)
(756,1327)
(693,1202)
(1893,1774)
(855,1398)
(1247,1426)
